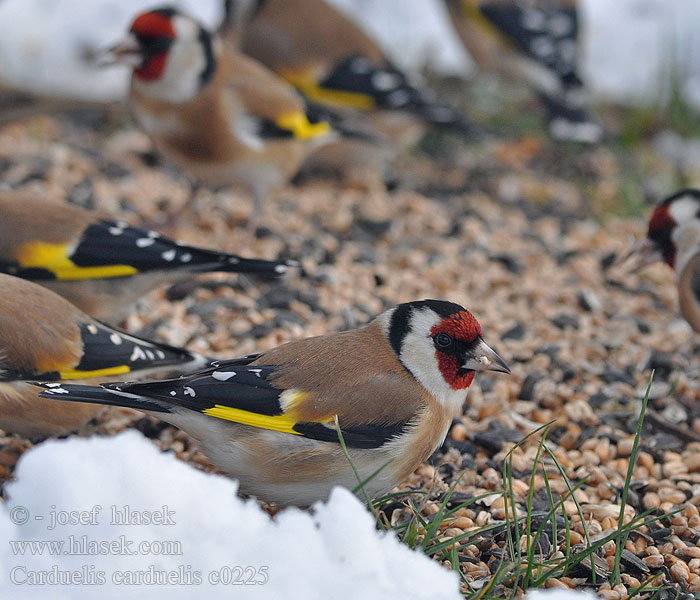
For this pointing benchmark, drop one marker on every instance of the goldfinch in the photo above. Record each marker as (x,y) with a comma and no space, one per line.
(43,336)
(332,61)
(101,265)
(537,44)
(268,419)
(673,236)
(216,114)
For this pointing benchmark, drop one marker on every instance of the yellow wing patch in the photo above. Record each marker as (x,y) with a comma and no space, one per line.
(301,127)
(55,258)
(310,88)
(78,374)
(284,422)
(471,12)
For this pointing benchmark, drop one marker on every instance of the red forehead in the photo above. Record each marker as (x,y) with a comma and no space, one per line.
(661,219)
(461,326)
(153,24)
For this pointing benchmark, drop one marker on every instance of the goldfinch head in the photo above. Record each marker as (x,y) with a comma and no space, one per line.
(171,54)
(441,344)
(674,230)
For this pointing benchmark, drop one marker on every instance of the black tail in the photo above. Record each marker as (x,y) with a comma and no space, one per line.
(318,113)
(572,123)
(99,395)
(108,242)
(389,88)
(210,261)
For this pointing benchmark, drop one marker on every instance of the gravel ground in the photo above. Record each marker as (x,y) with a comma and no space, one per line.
(507,228)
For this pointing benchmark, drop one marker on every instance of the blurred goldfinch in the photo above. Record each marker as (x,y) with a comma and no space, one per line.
(538,44)
(268,419)
(42,336)
(673,237)
(332,61)
(101,265)
(216,114)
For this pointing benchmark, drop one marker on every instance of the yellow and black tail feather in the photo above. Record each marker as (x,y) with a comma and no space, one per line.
(108,352)
(232,391)
(360,83)
(114,249)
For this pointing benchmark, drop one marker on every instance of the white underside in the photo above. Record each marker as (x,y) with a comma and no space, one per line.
(221,441)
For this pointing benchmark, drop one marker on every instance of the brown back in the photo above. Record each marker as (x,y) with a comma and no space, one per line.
(39,330)
(342,371)
(27,218)
(305,34)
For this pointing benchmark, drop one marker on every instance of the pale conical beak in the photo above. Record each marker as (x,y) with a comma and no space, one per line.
(127,52)
(483,358)
(643,253)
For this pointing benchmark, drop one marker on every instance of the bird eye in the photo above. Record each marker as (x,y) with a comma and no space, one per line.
(442,340)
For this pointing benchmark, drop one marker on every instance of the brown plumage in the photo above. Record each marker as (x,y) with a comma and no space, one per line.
(688,284)
(42,336)
(286,39)
(268,419)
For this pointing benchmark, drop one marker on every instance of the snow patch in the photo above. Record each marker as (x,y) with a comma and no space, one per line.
(200,533)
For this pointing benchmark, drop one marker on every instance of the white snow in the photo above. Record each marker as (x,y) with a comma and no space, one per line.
(630,48)
(48,46)
(335,552)
(414,33)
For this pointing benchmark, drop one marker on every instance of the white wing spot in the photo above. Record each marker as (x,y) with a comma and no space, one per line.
(398,98)
(256,371)
(533,20)
(137,354)
(92,329)
(189,391)
(160,354)
(168,255)
(223,375)
(55,388)
(115,230)
(144,242)
(360,65)
(384,81)
(116,339)
(150,355)
(542,46)
(172,392)
(153,234)
(186,257)
(561,25)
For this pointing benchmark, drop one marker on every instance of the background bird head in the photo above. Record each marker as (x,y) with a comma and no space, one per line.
(674,231)
(171,54)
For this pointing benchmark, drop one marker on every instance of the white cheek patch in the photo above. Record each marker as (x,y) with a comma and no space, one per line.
(686,238)
(684,209)
(418,355)
(180,81)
